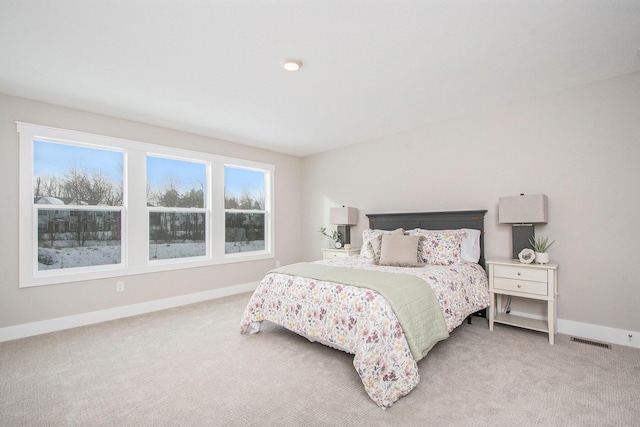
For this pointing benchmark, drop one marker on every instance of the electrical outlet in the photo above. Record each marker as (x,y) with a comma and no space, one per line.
(277,263)
(120,286)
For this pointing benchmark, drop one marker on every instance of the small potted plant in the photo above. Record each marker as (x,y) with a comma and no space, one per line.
(331,238)
(540,246)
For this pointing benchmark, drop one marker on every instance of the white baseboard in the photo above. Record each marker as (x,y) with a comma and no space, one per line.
(36,328)
(593,332)
(599,333)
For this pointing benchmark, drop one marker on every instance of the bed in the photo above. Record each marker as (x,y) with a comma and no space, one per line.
(387,306)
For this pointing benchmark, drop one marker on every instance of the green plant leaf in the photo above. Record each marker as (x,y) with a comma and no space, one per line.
(541,244)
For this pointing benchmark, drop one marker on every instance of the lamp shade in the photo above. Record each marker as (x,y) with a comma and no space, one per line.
(529,209)
(343,216)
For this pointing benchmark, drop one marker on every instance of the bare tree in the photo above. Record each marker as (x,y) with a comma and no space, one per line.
(93,190)
(97,188)
(151,196)
(36,191)
(259,199)
(170,196)
(48,186)
(114,195)
(246,200)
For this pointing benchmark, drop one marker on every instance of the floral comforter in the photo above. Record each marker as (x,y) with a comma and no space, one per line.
(361,322)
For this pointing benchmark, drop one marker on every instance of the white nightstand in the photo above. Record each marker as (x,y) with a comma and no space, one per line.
(533,281)
(339,253)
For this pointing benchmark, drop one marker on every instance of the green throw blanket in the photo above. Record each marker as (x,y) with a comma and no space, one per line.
(410,297)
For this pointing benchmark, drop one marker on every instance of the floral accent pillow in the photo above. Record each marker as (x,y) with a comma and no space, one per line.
(440,247)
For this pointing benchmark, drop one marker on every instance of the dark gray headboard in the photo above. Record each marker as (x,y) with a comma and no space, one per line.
(431,221)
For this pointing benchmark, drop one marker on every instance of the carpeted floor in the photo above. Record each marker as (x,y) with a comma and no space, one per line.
(189,366)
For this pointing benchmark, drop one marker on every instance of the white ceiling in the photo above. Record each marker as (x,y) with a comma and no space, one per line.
(371,67)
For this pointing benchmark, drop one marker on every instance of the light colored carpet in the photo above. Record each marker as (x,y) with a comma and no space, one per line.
(189,366)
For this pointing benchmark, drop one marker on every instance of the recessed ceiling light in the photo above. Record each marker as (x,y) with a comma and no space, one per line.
(292,64)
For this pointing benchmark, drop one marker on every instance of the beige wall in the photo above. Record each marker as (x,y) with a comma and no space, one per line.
(19,306)
(580,147)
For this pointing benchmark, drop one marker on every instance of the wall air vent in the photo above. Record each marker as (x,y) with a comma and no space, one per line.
(590,342)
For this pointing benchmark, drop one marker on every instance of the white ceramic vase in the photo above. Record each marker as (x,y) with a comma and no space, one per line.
(542,258)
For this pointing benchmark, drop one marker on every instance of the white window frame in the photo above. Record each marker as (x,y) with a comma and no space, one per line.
(266,211)
(206,210)
(135,215)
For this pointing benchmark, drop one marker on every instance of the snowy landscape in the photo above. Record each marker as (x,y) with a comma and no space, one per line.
(234,247)
(104,253)
(176,250)
(95,253)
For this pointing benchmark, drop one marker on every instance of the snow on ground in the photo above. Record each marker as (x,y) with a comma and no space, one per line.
(176,250)
(234,247)
(57,258)
(93,254)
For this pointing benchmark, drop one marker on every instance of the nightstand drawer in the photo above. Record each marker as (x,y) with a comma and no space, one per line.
(524,286)
(339,253)
(519,273)
(335,254)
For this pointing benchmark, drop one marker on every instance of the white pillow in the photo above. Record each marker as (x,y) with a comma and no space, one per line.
(470,246)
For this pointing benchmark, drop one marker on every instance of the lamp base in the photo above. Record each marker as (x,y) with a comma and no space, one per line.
(345,233)
(520,235)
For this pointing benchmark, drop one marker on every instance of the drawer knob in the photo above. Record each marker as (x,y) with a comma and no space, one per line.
(519,273)
(519,286)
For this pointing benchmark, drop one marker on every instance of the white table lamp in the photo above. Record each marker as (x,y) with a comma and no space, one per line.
(344,218)
(523,212)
